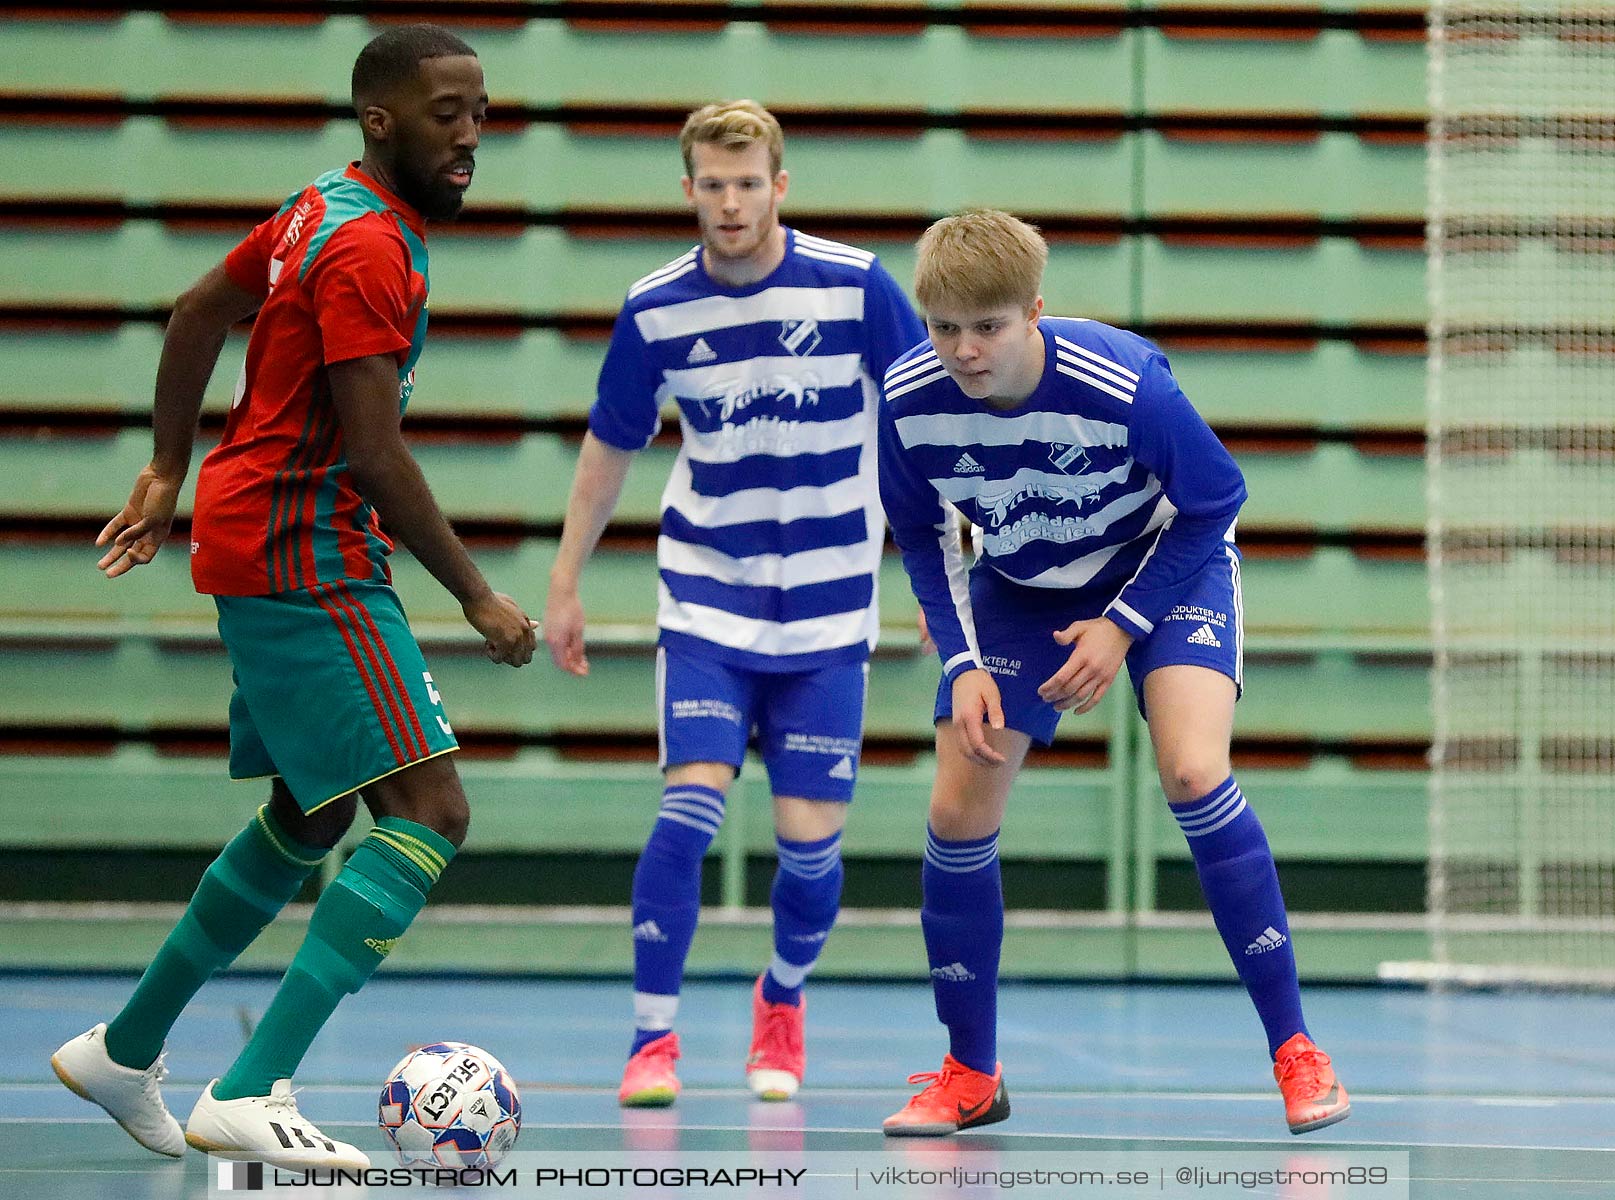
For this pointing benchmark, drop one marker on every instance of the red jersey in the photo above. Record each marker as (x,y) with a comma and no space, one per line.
(343,271)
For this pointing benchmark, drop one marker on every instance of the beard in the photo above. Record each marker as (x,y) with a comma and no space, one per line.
(747,245)
(426,191)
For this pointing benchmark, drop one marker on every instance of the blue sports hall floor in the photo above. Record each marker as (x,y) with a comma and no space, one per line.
(1490,1094)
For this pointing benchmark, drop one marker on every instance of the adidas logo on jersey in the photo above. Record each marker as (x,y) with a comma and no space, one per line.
(649,931)
(843,769)
(1268,939)
(953,973)
(1204,637)
(968,466)
(701,352)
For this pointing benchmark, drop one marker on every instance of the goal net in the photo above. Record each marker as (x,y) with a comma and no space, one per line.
(1521,518)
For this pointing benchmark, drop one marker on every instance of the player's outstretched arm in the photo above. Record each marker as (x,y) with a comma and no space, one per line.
(365,393)
(596,486)
(191,345)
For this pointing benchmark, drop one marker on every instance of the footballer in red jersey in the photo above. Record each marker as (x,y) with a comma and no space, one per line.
(333,701)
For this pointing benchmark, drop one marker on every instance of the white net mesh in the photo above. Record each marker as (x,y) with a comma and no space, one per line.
(1522,489)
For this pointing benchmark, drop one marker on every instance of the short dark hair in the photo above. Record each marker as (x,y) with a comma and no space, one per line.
(395,57)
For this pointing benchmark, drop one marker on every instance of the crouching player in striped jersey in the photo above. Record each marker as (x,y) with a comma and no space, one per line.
(772,343)
(1107,513)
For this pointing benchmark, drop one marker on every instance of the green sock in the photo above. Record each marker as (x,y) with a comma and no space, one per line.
(359,917)
(258,872)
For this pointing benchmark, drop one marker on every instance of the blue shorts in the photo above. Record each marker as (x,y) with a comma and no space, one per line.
(1015,629)
(809,724)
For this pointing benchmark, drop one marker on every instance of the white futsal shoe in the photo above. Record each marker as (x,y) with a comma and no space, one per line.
(134,1099)
(267,1129)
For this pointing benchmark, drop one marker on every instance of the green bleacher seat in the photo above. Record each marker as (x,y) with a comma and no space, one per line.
(1336,72)
(145,160)
(1329,281)
(1331,386)
(1337,175)
(1333,487)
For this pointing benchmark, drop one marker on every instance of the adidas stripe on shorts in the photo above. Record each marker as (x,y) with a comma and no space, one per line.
(809,724)
(1015,628)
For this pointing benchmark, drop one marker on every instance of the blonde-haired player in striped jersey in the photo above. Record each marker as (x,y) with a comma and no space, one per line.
(1107,512)
(772,344)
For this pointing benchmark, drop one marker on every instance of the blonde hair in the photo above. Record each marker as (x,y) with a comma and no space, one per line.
(980,259)
(734,125)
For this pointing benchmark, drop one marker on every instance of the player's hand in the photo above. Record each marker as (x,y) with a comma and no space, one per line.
(563,631)
(138,532)
(927,646)
(977,707)
(1098,648)
(508,630)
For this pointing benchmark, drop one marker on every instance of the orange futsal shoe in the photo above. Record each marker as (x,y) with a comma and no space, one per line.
(778,1048)
(1313,1097)
(956,1098)
(648,1080)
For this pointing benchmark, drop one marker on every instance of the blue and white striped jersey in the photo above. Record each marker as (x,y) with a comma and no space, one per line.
(771,524)
(1104,481)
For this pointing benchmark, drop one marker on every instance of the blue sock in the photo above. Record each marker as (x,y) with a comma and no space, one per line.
(667,900)
(1241,885)
(806,898)
(963,920)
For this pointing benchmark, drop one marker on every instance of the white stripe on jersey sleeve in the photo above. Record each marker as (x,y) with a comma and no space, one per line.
(1080,352)
(914,384)
(988,429)
(834,258)
(708,313)
(953,565)
(833,247)
(1088,368)
(1093,381)
(681,265)
(916,366)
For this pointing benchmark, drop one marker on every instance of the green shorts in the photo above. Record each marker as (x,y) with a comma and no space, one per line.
(331,691)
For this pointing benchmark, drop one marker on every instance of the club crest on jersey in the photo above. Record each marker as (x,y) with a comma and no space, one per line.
(1068,459)
(800,337)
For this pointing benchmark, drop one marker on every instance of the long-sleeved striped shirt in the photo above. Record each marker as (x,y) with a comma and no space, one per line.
(1104,481)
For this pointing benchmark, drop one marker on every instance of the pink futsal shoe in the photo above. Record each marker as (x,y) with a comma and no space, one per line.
(648,1081)
(1313,1097)
(778,1047)
(955,1098)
